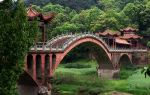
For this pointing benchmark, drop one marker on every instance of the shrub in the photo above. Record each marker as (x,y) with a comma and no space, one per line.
(63,78)
(89,91)
(91,73)
(124,73)
(94,91)
(127,71)
(77,65)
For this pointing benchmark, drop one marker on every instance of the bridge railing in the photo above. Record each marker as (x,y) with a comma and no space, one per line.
(127,49)
(82,35)
(75,36)
(58,37)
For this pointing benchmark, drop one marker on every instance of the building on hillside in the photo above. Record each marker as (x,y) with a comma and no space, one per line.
(43,19)
(129,34)
(125,38)
(112,39)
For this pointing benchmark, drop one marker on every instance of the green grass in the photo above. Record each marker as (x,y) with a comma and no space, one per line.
(72,81)
(63,69)
(139,84)
(138,80)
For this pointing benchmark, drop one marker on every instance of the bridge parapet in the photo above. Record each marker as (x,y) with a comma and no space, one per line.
(127,50)
(49,45)
(80,36)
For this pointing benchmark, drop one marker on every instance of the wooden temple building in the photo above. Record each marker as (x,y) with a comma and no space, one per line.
(125,38)
(43,19)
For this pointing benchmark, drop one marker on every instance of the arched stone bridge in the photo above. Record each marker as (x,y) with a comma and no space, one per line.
(44,58)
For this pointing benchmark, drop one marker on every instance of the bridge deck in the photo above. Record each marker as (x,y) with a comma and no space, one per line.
(61,42)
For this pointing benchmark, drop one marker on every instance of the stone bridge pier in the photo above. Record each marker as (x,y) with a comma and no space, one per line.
(110,68)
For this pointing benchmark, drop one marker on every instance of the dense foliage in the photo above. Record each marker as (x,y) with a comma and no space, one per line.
(16,36)
(74,4)
(113,14)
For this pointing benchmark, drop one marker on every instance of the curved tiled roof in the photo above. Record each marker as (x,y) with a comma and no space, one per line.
(130,37)
(46,18)
(128,29)
(108,33)
(31,13)
(121,41)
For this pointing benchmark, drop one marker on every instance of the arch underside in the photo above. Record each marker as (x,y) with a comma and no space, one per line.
(125,61)
(99,46)
(85,40)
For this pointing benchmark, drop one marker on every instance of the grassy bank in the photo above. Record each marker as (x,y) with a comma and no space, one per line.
(82,80)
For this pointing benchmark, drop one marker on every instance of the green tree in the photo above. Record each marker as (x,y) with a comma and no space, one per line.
(86,17)
(133,12)
(73,4)
(145,18)
(146,71)
(65,28)
(109,19)
(16,36)
(53,8)
(108,4)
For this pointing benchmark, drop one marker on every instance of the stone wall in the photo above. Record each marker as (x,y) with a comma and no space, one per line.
(108,74)
(140,58)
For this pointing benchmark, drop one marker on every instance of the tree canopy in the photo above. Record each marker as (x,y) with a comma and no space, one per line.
(101,15)
(16,36)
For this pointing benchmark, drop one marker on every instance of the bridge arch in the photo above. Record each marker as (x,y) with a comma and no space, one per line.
(53,59)
(47,64)
(72,45)
(125,60)
(30,63)
(38,66)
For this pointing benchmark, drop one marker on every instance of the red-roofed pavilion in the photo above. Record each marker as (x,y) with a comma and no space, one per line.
(113,40)
(130,35)
(32,14)
(125,38)
(44,19)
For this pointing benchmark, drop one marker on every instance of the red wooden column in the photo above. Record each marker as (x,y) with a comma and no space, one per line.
(34,66)
(50,64)
(43,65)
(113,42)
(137,44)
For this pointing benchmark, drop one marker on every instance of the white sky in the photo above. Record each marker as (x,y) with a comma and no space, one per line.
(1,0)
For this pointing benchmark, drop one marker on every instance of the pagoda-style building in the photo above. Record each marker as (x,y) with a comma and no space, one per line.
(112,38)
(32,14)
(125,38)
(43,19)
(129,34)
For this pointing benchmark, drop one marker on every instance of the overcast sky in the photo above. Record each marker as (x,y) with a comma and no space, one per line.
(3,0)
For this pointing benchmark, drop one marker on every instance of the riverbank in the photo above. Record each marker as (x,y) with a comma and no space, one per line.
(83,80)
